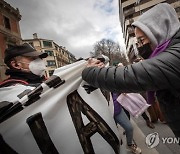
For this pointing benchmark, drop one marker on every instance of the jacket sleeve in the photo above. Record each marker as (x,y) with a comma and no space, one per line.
(160,72)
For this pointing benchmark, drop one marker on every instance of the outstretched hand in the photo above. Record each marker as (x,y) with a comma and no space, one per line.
(94,62)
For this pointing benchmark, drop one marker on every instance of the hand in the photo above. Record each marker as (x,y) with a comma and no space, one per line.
(120,65)
(138,59)
(89,88)
(94,62)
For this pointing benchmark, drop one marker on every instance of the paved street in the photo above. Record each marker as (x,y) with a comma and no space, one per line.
(141,131)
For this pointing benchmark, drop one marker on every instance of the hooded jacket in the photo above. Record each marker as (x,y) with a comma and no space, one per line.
(159,23)
(160,73)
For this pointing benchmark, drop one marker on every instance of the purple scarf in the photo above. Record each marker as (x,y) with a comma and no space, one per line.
(157,50)
(117,105)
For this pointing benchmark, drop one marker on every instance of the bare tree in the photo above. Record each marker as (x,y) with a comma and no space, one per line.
(109,48)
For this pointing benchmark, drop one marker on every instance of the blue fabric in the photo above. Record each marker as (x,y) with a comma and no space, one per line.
(124,122)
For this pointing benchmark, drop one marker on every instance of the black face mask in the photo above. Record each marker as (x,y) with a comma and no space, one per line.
(145,51)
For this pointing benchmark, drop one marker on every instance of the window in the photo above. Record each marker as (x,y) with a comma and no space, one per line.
(7,23)
(51,72)
(51,63)
(50,53)
(47,44)
(31,43)
(56,47)
(11,44)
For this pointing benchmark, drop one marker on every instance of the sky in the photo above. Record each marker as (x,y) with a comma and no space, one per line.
(74,24)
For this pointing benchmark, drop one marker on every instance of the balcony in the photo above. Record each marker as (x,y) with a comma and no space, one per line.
(129,12)
(131,31)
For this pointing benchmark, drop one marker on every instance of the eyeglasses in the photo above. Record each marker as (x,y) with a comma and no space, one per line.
(141,40)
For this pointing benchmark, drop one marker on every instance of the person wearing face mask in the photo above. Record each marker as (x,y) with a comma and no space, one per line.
(158,35)
(25,66)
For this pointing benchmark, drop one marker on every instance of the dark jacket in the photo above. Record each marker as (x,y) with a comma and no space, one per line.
(160,73)
(17,76)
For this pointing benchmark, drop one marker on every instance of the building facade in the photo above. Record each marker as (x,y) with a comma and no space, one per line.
(9,31)
(57,55)
(129,11)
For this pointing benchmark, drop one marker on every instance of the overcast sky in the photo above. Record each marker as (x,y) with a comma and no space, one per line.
(74,24)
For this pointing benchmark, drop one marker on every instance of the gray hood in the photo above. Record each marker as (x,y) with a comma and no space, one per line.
(160,23)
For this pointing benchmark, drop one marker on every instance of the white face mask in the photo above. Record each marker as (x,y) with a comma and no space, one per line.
(37,67)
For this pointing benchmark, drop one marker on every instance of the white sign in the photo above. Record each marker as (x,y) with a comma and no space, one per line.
(59,116)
